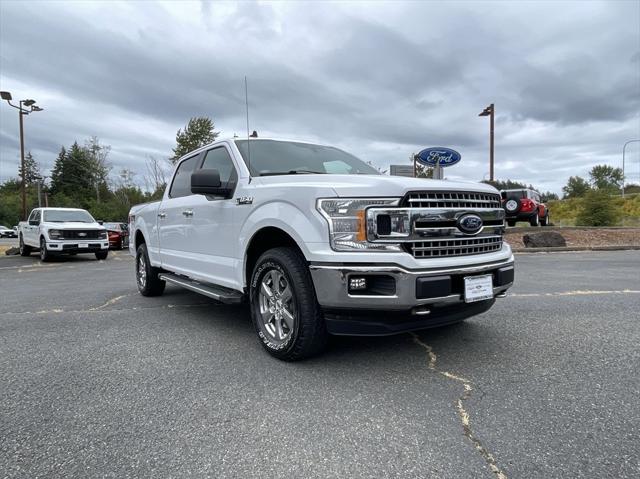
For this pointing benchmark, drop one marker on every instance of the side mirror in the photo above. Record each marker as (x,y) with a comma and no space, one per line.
(207,182)
(100,222)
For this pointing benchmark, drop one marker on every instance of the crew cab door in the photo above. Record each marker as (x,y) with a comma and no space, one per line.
(32,229)
(212,232)
(173,217)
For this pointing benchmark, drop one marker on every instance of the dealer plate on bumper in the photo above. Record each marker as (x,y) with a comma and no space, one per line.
(478,288)
(83,245)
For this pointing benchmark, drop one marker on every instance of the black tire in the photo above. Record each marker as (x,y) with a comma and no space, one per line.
(535,220)
(511,222)
(545,220)
(510,201)
(45,255)
(102,254)
(25,250)
(149,284)
(308,334)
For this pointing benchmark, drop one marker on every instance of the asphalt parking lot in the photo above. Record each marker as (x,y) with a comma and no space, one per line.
(97,381)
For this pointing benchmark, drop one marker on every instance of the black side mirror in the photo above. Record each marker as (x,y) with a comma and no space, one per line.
(100,222)
(207,182)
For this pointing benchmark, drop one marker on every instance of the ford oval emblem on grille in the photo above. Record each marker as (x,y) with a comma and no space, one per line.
(82,234)
(470,224)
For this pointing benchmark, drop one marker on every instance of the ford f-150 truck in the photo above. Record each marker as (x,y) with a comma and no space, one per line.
(318,242)
(57,231)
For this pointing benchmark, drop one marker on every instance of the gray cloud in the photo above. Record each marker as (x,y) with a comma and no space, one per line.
(380,79)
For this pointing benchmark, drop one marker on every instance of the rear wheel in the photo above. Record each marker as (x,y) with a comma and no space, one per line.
(102,254)
(146,275)
(44,254)
(284,309)
(511,222)
(25,250)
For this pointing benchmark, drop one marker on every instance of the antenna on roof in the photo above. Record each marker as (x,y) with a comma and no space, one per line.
(246,100)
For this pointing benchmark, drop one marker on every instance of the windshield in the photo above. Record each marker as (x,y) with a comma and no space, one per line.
(62,216)
(271,157)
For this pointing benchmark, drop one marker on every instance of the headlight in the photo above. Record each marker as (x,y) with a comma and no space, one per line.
(55,234)
(348,224)
(102,235)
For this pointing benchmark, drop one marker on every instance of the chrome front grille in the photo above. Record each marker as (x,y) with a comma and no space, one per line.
(452,199)
(460,246)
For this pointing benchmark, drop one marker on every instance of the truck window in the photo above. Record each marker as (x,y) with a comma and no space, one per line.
(36,216)
(219,159)
(181,185)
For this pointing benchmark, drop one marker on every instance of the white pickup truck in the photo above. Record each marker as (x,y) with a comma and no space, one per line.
(321,243)
(55,231)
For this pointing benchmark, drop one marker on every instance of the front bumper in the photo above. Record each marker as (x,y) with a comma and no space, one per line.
(431,297)
(90,246)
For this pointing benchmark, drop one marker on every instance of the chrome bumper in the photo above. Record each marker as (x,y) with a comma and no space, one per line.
(331,283)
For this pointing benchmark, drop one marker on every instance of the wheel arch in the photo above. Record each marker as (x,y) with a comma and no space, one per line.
(262,240)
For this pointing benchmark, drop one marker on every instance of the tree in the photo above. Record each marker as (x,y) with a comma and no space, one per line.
(31,169)
(605,177)
(97,154)
(72,174)
(576,187)
(549,196)
(198,132)
(156,178)
(598,209)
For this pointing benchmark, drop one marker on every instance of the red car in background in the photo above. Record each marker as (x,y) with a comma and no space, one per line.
(524,205)
(118,235)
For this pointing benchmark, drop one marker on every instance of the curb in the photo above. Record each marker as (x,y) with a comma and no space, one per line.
(577,248)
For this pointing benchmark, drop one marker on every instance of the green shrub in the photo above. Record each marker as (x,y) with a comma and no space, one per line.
(598,208)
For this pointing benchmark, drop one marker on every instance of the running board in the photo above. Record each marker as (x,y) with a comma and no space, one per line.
(219,293)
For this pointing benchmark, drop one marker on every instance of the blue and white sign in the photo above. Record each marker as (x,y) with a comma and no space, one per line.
(443,156)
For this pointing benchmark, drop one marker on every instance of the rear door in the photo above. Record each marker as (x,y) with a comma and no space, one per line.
(212,232)
(173,216)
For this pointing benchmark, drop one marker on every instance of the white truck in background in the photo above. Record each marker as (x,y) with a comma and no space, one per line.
(318,242)
(56,231)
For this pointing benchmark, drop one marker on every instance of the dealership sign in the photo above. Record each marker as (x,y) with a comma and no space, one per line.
(438,156)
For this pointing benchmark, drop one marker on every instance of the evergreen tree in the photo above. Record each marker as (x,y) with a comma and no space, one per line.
(31,169)
(72,174)
(198,132)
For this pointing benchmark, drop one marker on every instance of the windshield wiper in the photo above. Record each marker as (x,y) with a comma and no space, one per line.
(291,172)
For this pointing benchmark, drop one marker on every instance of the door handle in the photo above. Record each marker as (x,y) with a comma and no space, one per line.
(162,215)
(188,213)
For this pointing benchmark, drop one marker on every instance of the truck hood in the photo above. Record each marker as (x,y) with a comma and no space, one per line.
(374,185)
(72,226)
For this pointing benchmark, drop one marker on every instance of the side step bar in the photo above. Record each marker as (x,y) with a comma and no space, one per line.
(219,293)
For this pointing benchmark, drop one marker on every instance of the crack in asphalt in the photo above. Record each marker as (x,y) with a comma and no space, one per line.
(97,310)
(572,293)
(110,302)
(462,412)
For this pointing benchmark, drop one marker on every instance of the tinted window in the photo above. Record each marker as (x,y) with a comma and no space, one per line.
(219,159)
(181,185)
(36,216)
(282,157)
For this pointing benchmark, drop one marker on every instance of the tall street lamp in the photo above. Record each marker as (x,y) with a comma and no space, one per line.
(623,151)
(5,95)
(490,112)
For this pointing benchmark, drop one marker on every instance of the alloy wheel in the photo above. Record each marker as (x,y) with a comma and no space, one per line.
(277,308)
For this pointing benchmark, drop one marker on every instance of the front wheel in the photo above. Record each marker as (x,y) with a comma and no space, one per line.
(535,220)
(146,275)
(284,309)
(102,254)
(25,250)
(44,254)
(545,220)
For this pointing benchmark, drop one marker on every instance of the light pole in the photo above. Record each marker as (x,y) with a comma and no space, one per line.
(5,95)
(490,112)
(623,152)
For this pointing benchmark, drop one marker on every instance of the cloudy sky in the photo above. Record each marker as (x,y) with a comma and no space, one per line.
(381,80)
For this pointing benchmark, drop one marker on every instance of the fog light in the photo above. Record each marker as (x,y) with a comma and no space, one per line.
(356,284)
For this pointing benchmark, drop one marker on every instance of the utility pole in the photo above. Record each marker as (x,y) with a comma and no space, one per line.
(623,153)
(490,112)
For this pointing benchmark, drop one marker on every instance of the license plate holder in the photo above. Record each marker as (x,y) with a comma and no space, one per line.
(83,245)
(478,288)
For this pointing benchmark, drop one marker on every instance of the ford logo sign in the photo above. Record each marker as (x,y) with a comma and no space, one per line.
(442,156)
(470,224)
